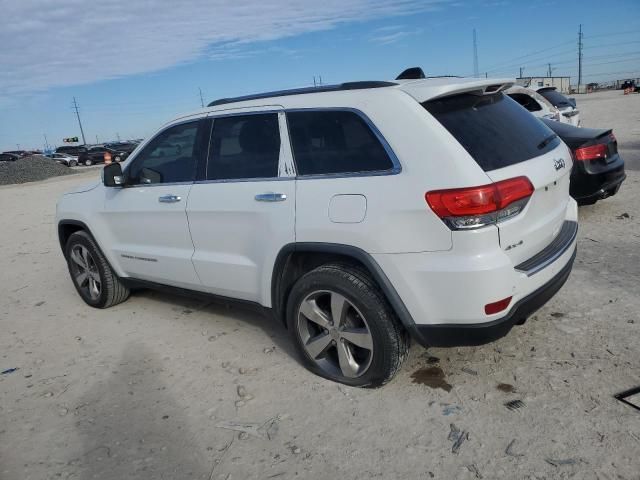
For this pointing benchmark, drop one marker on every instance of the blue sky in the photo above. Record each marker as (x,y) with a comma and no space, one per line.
(135,65)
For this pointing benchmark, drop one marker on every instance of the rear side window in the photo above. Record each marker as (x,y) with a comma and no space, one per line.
(334,141)
(555,98)
(494,129)
(244,146)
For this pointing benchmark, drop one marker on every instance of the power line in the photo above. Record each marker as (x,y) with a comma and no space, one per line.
(611,34)
(499,64)
(75,106)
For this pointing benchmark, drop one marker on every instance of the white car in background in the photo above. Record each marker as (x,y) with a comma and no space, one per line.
(546,102)
(534,102)
(569,113)
(63,158)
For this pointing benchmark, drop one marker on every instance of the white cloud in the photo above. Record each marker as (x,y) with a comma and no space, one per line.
(49,43)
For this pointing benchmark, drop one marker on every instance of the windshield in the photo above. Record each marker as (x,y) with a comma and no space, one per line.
(555,97)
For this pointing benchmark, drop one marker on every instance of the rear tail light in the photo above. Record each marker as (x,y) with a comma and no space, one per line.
(475,207)
(495,307)
(593,152)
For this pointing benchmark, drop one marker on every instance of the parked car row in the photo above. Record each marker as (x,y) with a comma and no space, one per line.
(13,155)
(94,154)
(547,102)
(598,170)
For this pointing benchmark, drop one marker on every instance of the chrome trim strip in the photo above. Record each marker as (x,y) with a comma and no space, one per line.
(240,180)
(551,252)
(144,185)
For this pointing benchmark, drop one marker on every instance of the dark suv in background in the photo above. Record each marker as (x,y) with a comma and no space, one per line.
(73,150)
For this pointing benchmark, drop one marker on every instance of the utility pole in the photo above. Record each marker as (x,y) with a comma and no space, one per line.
(475,55)
(46,142)
(97,141)
(75,106)
(201,99)
(579,57)
(314,82)
(521,70)
(550,69)
(118,136)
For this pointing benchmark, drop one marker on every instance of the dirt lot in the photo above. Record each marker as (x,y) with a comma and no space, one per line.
(142,390)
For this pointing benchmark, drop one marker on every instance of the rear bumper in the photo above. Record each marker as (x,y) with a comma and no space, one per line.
(455,335)
(591,181)
(446,293)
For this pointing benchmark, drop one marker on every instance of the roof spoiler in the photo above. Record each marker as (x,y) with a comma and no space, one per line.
(413,73)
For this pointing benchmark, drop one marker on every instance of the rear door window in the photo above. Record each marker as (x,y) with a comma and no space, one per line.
(335,142)
(494,129)
(244,147)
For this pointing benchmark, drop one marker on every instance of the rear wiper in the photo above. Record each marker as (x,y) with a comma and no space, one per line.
(546,141)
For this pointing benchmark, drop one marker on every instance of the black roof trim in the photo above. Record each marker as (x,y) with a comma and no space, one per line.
(413,73)
(301,91)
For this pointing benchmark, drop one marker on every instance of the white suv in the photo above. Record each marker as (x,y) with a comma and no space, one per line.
(361,215)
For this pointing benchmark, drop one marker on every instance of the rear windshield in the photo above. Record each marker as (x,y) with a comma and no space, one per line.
(494,129)
(555,97)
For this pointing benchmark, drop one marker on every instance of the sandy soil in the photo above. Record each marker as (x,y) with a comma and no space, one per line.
(143,390)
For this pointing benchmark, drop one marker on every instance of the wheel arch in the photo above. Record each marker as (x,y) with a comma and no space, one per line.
(68,227)
(295,259)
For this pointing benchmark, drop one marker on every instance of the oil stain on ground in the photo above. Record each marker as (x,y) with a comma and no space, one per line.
(505,388)
(432,377)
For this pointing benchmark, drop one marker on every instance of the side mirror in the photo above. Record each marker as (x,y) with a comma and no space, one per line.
(112,175)
(572,101)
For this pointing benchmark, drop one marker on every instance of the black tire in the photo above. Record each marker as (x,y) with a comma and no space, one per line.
(88,162)
(390,340)
(112,290)
(73,163)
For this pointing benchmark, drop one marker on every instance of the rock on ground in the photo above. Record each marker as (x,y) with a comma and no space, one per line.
(31,169)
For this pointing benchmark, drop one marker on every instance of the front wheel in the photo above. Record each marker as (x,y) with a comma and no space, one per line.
(343,327)
(88,162)
(73,163)
(95,281)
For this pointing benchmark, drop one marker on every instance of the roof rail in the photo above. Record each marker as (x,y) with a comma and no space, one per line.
(301,91)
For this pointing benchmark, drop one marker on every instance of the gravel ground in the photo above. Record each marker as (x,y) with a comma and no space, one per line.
(168,387)
(31,169)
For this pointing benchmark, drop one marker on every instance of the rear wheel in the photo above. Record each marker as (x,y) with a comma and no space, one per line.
(88,162)
(92,275)
(73,163)
(344,328)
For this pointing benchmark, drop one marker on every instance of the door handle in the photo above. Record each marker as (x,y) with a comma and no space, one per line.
(271,197)
(169,199)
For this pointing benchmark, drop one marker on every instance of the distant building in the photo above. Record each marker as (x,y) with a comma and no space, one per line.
(561,83)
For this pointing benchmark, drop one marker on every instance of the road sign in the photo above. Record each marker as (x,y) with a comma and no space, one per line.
(70,140)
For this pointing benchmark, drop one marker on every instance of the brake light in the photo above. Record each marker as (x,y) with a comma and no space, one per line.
(474,207)
(592,152)
(495,307)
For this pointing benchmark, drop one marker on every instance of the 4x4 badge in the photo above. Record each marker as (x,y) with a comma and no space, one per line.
(558,163)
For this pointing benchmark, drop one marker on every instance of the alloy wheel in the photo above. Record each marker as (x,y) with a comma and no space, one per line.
(335,334)
(85,272)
